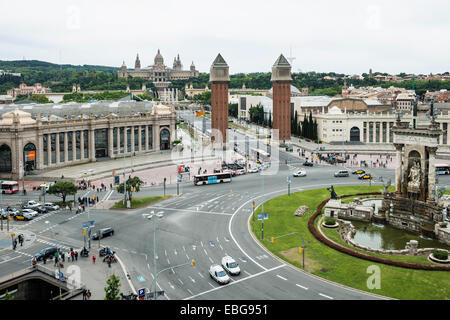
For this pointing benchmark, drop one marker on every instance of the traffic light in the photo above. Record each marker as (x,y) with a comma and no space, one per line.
(193,263)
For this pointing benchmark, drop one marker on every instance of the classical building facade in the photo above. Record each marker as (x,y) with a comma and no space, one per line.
(79,135)
(159,72)
(23,89)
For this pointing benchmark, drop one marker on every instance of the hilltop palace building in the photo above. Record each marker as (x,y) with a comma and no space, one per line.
(159,73)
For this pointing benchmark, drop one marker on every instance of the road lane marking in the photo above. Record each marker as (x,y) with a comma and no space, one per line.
(248,273)
(181,281)
(205,251)
(281,277)
(187,256)
(301,286)
(189,291)
(325,296)
(201,275)
(192,279)
(232,283)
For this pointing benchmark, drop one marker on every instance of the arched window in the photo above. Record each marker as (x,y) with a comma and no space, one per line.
(29,157)
(164,139)
(5,158)
(355,134)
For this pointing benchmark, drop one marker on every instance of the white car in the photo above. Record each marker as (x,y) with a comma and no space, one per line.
(30,212)
(240,172)
(300,173)
(32,204)
(253,170)
(230,265)
(51,206)
(217,273)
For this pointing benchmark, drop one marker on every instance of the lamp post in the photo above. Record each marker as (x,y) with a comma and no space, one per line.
(59,264)
(87,173)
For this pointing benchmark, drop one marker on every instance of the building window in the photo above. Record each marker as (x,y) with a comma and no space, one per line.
(377,132)
(143,141)
(44,142)
(78,146)
(444,136)
(391,136)
(150,137)
(365,132)
(121,145)
(128,139)
(53,147)
(86,143)
(136,138)
(370,132)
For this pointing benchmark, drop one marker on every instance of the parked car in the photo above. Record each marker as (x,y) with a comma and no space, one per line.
(360,171)
(103,233)
(48,253)
(300,173)
(240,172)
(230,265)
(253,170)
(341,173)
(3,213)
(365,176)
(308,164)
(289,149)
(12,211)
(41,209)
(218,274)
(23,216)
(51,206)
(31,204)
(31,212)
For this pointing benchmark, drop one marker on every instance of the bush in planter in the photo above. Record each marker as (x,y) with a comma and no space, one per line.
(440,255)
(330,221)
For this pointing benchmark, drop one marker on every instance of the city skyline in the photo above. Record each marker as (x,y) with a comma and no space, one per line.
(346,38)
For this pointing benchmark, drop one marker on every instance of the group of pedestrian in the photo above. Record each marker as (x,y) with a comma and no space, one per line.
(86,294)
(19,239)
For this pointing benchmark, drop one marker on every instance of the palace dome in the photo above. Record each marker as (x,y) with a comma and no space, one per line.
(159,60)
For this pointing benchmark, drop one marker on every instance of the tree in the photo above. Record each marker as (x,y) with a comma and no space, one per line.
(8,296)
(62,189)
(233,110)
(112,290)
(133,184)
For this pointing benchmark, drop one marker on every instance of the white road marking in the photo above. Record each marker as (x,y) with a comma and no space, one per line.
(201,275)
(171,285)
(189,291)
(211,285)
(212,261)
(180,281)
(187,256)
(192,279)
(301,286)
(205,251)
(220,247)
(248,273)
(176,253)
(168,262)
(201,243)
(281,277)
(325,296)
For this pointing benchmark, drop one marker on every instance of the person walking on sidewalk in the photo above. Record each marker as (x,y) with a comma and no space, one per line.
(72,254)
(93,259)
(76,255)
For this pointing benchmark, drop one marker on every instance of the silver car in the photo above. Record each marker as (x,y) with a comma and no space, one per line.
(217,273)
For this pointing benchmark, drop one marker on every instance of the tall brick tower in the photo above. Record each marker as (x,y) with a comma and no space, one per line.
(281,81)
(219,78)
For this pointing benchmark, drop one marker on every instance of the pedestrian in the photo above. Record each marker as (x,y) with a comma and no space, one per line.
(70,207)
(84,208)
(72,254)
(63,257)
(14,244)
(76,255)
(56,258)
(93,258)
(44,258)
(88,294)
(84,294)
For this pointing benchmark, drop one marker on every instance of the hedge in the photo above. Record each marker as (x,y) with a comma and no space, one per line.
(361,255)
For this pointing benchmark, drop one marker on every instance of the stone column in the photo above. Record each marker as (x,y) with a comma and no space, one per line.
(66,148)
(91,145)
(140,138)
(431,173)
(40,153)
(118,140)
(49,149)
(58,155)
(388,134)
(125,140)
(398,168)
(132,139)
(146,138)
(82,156)
(74,146)
(111,142)
(155,137)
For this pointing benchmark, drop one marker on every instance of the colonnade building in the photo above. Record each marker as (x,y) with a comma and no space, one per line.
(39,137)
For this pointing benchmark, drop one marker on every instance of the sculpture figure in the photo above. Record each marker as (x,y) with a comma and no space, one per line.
(414,176)
(333,195)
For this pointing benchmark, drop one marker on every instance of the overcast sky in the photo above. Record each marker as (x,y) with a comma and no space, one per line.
(341,36)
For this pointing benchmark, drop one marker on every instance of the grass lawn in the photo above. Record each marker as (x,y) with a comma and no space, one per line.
(323,261)
(141,202)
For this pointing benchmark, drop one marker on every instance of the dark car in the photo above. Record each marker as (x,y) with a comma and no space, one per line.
(41,209)
(308,164)
(103,233)
(47,253)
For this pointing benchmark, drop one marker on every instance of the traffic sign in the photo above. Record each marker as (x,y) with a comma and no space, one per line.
(85,225)
(141,293)
(92,223)
(288,179)
(141,279)
(260,217)
(266,216)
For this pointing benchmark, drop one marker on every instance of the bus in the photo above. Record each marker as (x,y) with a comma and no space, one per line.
(212,178)
(442,169)
(10,187)
(261,156)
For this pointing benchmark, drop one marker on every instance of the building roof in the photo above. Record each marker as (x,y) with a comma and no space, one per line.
(314,101)
(17,115)
(281,61)
(219,61)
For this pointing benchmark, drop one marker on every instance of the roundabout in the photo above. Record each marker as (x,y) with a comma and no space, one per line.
(338,261)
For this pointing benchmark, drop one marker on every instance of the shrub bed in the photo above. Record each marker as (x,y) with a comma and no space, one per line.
(440,255)
(357,254)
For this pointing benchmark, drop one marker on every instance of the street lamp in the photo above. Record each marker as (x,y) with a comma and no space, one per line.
(59,264)
(87,173)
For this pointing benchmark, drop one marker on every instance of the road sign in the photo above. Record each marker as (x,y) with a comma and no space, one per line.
(288,179)
(141,293)
(85,225)
(92,223)
(266,216)
(141,279)
(260,217)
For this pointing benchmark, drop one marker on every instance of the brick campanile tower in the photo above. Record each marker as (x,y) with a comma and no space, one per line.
(219,78)
(281,81)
